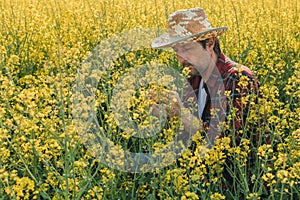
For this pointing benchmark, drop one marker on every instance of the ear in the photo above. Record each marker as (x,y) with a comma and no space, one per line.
(210,42)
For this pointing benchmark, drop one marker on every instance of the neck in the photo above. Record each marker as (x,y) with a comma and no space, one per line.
(212,65)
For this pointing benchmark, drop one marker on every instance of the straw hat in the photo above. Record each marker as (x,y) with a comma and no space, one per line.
(186,25)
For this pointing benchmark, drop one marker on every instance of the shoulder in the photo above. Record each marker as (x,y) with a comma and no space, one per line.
(240,70)
(240,79)
(229,68)
(236,72)
(233,73)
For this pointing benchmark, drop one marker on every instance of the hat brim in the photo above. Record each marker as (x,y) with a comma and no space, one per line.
(164,41)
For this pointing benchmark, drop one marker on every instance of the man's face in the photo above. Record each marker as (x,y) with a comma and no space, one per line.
(193,56)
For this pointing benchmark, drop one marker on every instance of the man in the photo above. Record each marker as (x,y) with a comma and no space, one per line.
(225,90)
(213,76)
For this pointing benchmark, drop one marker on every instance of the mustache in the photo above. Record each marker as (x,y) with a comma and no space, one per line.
(193,75)
(187,64)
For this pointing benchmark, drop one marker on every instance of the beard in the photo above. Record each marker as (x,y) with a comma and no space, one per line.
(193,71)
(192,68)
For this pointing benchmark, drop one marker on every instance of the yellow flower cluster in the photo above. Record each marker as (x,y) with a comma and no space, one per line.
(46,154)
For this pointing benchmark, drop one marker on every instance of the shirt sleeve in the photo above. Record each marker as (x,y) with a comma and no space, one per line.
(242,90)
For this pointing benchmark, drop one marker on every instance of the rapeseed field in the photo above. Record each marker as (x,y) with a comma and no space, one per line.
(46,52)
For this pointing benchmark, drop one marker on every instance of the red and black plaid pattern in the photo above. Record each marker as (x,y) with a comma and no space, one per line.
(238,82)
(226,78)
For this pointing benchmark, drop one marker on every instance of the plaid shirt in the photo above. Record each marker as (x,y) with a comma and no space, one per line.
(227,86)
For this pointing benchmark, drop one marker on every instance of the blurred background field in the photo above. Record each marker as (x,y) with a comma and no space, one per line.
(42,46)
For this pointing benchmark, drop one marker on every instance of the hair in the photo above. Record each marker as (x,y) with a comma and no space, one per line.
(217,48)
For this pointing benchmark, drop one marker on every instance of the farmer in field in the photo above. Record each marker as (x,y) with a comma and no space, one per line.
(221,85)
(213,76)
